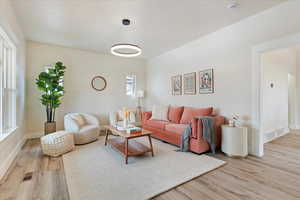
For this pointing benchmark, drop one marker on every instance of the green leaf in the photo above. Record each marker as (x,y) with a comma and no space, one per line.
(49,83)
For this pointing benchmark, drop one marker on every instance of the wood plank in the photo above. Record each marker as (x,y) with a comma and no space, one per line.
(48,178)
(275,176)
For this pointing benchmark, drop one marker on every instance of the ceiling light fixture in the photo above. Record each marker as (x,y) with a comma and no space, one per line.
(233,4)
(126,49)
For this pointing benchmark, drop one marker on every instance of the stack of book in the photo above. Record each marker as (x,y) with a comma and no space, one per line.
(134,130)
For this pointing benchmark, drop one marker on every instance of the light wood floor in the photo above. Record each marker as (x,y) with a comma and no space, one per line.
(276,176)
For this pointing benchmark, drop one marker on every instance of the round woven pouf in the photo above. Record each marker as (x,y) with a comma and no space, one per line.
(58,143)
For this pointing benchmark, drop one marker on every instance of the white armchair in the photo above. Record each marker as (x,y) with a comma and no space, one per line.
(86,128)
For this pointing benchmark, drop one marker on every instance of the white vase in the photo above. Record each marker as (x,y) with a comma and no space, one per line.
(125,123)
(231,123)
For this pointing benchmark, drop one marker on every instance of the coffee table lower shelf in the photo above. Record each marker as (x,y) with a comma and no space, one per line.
(134,148)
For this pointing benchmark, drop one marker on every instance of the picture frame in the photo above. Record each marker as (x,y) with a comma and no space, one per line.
(189,83)
(176,85)
(206,81)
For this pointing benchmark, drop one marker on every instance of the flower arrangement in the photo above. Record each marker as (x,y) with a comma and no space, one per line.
(235,120)
(126,114)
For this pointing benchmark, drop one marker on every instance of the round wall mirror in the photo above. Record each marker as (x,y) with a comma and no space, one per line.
(99,83)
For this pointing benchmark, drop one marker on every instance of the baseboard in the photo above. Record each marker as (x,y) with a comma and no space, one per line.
(11,157)
(272,135)
(293,126)
(295,131)
(297,126)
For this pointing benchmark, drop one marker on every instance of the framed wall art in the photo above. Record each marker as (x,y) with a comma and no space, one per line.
(176,85)
(189,83)
(206,81)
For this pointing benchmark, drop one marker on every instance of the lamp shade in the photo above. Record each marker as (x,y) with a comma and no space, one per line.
(140,94)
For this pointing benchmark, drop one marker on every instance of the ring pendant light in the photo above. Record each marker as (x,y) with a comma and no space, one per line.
(126,49)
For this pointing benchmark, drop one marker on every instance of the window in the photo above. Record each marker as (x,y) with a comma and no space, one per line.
(130,85)
(7,84)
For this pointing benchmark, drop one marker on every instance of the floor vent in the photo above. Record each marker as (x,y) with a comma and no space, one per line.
(28,176)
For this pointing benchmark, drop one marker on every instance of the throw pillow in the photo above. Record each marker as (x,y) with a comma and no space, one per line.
(79,119)
(189,113)
(175,114)
(160,112)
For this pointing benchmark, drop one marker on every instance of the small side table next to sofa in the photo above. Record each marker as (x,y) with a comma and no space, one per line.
(235,141)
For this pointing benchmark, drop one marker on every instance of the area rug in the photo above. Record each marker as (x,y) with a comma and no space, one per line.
(95,171)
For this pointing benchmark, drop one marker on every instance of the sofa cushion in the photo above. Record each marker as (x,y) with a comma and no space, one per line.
(146,116)
(157,124)
(189,113)
(176,128)
(175,114)
(160,112)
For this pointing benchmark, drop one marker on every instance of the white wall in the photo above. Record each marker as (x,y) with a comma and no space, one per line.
(229,52)
(276,66)
(292,102)
(10,146)
(298,89)
(82,66)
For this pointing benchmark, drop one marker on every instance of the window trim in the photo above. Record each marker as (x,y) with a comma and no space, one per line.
(133,92)
(7,133)
(12,86)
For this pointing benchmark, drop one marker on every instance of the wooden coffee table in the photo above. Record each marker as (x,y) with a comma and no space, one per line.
(126,147)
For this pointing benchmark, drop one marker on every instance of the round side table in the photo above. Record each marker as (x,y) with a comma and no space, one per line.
(235,141)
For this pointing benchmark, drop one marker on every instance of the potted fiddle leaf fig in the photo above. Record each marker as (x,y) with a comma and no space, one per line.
(50,83)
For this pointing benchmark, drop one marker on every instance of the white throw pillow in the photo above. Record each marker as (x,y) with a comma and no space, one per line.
(160,112)
(78,118)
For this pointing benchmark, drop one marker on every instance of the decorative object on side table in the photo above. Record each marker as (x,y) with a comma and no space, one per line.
(50,82)
(235,141)
(206,81)
(189,83)
(231,123)
(235,121)
(176,85)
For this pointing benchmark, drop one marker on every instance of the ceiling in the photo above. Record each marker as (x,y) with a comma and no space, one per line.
(157,25)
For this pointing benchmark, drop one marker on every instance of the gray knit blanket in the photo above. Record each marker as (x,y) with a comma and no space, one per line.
(208,134)
(185,139)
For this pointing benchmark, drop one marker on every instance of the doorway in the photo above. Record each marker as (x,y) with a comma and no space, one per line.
(257,138)
(278,92)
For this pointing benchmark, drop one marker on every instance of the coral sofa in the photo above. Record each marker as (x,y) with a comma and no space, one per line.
(179,118)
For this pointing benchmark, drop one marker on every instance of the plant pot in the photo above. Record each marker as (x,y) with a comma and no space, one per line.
(50,127)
